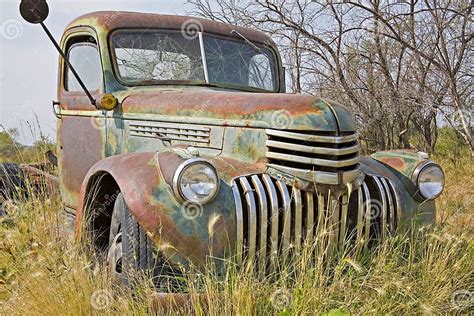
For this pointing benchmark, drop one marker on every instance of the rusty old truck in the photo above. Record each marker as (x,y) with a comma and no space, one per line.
(175,137)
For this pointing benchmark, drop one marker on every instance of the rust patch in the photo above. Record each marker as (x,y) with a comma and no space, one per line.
(151,203)
(220,103)
(80,147)
(111,20)
(396,163)
(169,162)
(41,179)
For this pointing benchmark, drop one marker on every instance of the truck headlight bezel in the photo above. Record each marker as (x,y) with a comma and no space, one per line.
(183,186)
(421,178)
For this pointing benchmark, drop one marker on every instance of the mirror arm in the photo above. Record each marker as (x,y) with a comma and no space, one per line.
(66,60)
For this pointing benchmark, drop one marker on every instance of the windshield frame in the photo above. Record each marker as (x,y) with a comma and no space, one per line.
(116,72)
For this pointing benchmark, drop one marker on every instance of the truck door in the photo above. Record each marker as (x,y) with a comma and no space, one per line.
(81,129)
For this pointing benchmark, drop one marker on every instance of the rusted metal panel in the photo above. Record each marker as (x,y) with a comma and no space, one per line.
(403,161)
(345,119)
(40,179)
(226,108)
(181,236)
(412,208)
(106,21)
(81,143)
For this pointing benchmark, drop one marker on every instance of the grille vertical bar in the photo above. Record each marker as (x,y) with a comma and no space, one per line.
(344,213)
(360,214)
(333,225)
(367,213)
(321,217)
(298,218)
(384,207)
(252,219)
(239,221)
(273,215)
(286,238)
(398,214)
(263,219)
(390,214)
(309,218)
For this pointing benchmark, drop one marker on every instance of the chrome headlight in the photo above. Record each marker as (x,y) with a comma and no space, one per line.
(429,178)
(196,181)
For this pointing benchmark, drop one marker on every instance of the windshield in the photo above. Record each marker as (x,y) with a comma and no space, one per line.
(157,57)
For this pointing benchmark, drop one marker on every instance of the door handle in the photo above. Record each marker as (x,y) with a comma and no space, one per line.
(56,109)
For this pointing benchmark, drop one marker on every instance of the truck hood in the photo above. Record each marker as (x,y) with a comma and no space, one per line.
(245,109)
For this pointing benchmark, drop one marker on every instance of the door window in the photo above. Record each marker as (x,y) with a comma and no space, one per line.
(85,59)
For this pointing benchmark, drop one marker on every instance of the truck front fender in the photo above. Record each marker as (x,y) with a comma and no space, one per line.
(183,233)
(404,161)
(398,169)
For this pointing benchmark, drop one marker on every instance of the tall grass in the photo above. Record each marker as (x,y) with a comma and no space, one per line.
(43,271)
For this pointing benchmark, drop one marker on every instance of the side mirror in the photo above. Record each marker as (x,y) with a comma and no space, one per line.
(34,11)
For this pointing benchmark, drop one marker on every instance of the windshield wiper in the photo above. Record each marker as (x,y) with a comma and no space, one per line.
(246,40)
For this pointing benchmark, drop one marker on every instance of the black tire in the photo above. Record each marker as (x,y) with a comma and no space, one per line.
(137,251)
(12,184)
(137,248)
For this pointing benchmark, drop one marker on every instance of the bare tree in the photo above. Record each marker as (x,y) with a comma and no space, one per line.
(399,65)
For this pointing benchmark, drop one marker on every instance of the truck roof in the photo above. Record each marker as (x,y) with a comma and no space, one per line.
(106,21)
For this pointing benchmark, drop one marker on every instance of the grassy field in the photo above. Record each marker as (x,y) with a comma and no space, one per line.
(428,271)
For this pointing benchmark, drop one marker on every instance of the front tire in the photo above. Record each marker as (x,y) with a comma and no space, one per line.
(131,251)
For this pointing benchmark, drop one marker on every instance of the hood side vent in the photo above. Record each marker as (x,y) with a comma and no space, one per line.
(194,135)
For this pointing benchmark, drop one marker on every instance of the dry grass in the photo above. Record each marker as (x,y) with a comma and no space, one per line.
(42,272)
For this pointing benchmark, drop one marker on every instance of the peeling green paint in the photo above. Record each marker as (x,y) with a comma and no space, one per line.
(403,161)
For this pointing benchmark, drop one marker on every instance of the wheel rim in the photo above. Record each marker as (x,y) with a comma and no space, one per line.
(115,255)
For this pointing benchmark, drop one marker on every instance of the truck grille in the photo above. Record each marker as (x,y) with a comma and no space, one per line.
(273,217)
(317,157)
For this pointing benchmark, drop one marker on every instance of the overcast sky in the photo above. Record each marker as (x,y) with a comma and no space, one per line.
(28,68)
